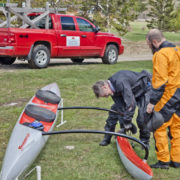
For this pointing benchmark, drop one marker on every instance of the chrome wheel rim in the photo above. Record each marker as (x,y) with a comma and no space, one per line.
(41,57)
(112,55)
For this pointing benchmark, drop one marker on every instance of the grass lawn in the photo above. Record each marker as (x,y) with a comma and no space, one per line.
(138,31)
(87,160)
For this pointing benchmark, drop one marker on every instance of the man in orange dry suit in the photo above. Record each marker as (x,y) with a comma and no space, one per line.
(165,98)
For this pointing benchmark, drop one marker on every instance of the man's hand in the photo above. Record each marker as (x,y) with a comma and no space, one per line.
(130,127)
(127,126)
(150,108)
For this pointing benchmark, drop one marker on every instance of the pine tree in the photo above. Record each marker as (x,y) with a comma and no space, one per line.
(175,21)
(160,14)
(109,14)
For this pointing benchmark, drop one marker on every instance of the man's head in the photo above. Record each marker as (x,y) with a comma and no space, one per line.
(154,39)
(102,89)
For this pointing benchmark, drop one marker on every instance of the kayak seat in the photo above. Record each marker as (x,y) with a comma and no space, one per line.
(39,113)
(48,96)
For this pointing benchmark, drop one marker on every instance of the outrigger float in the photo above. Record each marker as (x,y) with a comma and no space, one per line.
(36,123)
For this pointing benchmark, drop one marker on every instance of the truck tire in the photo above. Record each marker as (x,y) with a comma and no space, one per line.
(7,60)
(40,57)
(110,55)
(76,60)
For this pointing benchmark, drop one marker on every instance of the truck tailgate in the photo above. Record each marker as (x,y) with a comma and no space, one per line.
(4,36)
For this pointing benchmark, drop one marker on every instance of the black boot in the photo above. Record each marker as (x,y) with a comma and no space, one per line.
(174,164)
(160,164)
(106,140)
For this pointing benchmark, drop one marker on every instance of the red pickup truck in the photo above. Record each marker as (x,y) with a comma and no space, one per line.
(68,36)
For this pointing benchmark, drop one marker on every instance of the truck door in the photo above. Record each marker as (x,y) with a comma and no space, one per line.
(88,38)
(68,38)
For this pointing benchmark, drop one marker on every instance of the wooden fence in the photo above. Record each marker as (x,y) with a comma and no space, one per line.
(12,13)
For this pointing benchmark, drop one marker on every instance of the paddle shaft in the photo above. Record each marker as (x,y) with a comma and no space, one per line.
(99,132)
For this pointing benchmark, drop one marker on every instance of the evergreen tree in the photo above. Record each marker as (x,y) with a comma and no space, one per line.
(160,14)
(109,14)
(140,6)
(175,21)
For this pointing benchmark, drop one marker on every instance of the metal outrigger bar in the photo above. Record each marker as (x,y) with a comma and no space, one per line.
(61,108)
(89,107)
(99,132)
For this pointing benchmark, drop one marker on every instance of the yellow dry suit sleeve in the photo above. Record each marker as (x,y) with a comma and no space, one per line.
(160,76)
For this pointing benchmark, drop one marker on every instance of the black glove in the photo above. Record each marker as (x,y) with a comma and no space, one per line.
(130,127)
(147,117)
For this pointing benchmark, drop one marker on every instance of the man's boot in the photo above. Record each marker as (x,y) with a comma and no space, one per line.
(175,164)
(160,164)
(106,140)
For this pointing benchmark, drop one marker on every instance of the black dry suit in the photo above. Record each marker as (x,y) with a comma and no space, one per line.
(130,89)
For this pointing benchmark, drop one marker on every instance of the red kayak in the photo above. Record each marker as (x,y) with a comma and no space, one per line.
(27,141)
(137,167)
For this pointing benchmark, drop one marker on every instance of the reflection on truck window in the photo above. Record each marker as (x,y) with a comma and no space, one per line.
(67,23)
(84,25)
(42,23)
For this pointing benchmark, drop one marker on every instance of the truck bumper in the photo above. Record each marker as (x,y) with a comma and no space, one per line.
(7,51)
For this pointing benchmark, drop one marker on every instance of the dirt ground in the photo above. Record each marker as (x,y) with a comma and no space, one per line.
(133,51)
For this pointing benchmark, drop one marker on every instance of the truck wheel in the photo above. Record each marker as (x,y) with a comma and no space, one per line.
(110,55)
(40,57)
(76,60)
(7,60)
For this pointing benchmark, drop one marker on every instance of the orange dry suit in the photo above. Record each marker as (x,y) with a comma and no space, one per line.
(166,98)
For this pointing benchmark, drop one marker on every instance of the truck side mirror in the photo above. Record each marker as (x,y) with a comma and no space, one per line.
(96,29)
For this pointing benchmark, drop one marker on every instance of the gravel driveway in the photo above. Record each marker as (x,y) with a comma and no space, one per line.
(134,51)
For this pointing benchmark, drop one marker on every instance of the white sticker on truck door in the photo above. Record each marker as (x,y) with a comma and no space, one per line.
(72,41)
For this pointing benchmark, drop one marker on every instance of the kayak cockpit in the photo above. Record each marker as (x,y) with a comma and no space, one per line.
(47,97)
(41,112)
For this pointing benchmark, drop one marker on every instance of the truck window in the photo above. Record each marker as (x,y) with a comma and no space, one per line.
(84,25)
(67,23)
(42,22)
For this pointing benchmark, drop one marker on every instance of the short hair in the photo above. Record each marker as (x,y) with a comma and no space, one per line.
(97,87)
(155,34)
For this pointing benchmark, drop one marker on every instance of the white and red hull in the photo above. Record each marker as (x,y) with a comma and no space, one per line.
(25,142)
(137,167)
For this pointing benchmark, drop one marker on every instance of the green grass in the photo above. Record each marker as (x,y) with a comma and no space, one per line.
(138,31)
(87,160)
